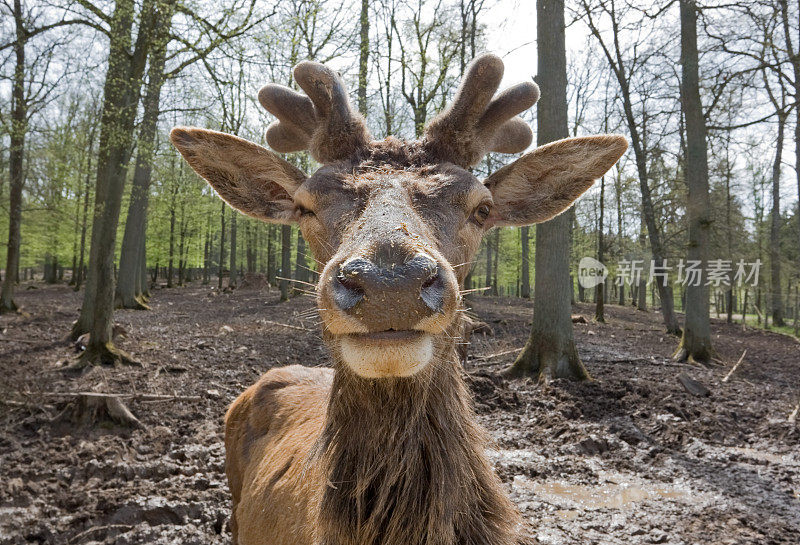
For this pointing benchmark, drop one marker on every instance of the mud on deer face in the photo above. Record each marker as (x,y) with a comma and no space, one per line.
(396,224)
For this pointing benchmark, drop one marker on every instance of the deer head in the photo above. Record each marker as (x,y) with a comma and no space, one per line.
(396,224)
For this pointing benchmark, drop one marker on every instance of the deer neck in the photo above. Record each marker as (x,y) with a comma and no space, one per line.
(405,463)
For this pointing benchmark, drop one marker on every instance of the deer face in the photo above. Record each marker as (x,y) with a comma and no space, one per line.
(396,225)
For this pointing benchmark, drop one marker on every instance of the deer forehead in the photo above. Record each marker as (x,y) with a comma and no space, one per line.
(391,189)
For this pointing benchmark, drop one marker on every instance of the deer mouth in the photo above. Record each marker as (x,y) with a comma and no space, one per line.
(390,353)
(388,337)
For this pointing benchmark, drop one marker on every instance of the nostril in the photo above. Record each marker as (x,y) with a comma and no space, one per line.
(432,292)
(432,280)
(347,293)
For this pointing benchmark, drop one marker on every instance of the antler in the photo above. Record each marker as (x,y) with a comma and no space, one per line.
(475,124)
(322,122)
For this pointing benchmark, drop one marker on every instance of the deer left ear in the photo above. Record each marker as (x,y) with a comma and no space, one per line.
(252,179)
(543,183)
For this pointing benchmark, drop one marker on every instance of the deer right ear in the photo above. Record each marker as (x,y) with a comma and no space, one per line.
(250,178)
(545,182)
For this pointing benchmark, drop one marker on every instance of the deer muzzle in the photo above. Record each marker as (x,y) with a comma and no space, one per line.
(387,308)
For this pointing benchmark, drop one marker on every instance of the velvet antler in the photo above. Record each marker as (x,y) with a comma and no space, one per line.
(322,122)
(475,124)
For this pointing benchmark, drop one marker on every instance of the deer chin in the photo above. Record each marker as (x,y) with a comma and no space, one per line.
(387,353)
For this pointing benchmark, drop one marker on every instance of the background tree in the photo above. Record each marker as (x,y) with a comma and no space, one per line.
(696,340)
(550,351)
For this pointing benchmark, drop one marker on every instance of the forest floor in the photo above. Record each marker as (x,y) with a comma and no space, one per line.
(630,457)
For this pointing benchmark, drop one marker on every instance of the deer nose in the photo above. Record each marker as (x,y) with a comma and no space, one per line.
(414,286)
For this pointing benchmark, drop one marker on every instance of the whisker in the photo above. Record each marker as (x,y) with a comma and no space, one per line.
(297,281)
(462,292)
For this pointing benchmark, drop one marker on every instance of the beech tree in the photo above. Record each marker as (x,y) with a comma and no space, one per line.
(550,351)
(695,342)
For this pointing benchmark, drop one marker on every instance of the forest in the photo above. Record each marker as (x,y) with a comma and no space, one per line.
(634,359)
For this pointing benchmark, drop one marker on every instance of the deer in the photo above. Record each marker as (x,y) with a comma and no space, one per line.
(384,446)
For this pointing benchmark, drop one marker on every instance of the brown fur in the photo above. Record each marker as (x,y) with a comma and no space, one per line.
(332,458)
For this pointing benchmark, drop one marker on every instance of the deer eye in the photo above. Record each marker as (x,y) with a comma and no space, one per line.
(303,212)
(481,214)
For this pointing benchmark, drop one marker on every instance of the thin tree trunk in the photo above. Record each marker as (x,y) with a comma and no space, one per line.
(85,212)
(488,283)
(524,234)
(233,279)
(793,48)
(363,62)
(599,309)
(130,285)
(222,247)
(300,259)
(495,287)
(696,340)
(19,126)
(170,267)
(775,229)
(182,246)
(286,260)
(648,210)
(122,91)
(271,254)
(550,351)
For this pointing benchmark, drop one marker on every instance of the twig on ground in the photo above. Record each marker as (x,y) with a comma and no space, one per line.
(94,529)
(497,355)
(735,367)
(285,325)
(134,397)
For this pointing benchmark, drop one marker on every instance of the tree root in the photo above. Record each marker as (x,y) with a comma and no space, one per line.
(89,409)
(102,354)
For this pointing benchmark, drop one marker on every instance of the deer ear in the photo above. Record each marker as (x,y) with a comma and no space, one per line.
(543,183)
(250,178)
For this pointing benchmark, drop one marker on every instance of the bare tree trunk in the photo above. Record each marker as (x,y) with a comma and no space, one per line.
(222,247)
(300,259)
(170,267)
(696,340)
(121,98)
(599,308)
(85,212)
(495,290)
(524,234)
(182,245)
(550,351)
(129,286)
(207,254)
(488,279)
(640,154)
(793,49)
(775,228)
(271,254)
(233,279)
(19,126)
(286,260)
(363,60)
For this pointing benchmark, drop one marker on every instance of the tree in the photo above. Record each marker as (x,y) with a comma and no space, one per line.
(131,284)
(623,72)
(696,340)
(550,351)
(525,290)
(120,101)
(26,28)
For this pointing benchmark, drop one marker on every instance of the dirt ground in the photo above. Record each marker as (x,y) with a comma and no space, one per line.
(631,457)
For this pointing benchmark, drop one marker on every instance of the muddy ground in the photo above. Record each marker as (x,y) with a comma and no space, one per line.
(631,457)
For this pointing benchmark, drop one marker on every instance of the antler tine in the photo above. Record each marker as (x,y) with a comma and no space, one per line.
(296,120)
(475,124)
(322,122)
